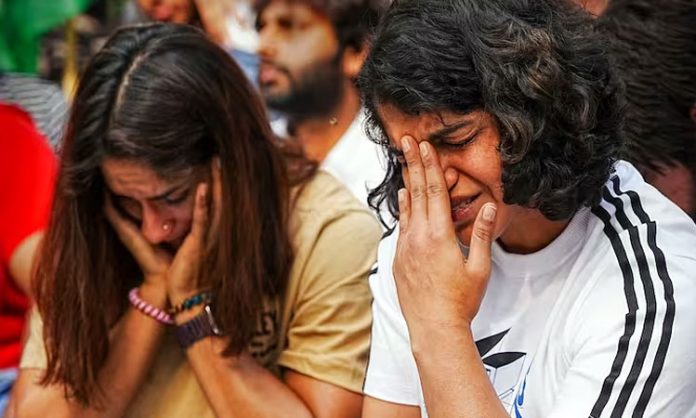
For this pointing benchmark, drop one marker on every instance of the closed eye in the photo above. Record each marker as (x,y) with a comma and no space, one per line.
(458,144)
(178,199)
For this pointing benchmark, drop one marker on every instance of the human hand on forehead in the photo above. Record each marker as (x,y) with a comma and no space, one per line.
(435,282)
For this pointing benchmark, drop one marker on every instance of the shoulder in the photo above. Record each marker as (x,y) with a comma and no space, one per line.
(332,233)
(324,200)
(639,288)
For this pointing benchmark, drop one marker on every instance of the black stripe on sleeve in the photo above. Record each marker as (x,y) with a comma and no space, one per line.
(652,304)
(650,312)
(668,321)
(630,325)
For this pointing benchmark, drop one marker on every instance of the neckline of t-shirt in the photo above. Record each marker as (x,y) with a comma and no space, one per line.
(546,260)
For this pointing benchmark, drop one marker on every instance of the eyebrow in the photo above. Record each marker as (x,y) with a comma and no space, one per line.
(447,131)
(167,192)
(160,196)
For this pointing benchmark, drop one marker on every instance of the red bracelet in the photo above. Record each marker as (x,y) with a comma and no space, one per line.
(149,310)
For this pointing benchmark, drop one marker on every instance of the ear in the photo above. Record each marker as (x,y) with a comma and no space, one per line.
(353,59)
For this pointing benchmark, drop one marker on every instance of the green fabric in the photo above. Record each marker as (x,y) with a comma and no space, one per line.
(22,22)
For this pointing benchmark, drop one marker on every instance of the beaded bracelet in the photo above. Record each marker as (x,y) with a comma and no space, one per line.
(149,310)
(195,300)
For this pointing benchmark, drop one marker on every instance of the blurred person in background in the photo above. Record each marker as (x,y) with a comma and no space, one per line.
(230,23)
(653,45)
(311,53)
(42,99)
(193,265)
(27,174)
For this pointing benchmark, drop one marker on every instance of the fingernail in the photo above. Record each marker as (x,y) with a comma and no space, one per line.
(489,213)
(405,146)
(401,195)
(423,149)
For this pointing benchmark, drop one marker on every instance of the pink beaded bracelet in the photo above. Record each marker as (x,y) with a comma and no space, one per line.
(149,310)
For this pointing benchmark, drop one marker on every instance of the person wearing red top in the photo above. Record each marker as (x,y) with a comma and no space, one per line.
(27,174)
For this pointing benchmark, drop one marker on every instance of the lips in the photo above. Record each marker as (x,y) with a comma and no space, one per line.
(268,73)
(463,208)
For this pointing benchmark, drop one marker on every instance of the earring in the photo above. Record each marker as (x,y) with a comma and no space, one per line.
(166,226)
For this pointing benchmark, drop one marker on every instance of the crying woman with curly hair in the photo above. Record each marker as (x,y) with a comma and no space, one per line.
(532,272)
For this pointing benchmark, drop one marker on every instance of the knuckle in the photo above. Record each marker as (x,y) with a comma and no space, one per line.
(435,189)
(483,233)
(418,191)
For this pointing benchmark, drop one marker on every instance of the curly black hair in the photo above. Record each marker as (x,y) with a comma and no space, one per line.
(535,65)
(353,20)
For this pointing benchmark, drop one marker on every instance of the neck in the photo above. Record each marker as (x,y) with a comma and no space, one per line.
(530,232)
(319,134)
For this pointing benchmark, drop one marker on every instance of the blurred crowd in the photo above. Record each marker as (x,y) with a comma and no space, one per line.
(218,175)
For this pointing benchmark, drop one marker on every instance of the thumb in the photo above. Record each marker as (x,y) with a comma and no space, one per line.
(479,261)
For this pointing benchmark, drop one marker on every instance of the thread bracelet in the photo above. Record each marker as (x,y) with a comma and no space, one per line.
(195,300)
(153,312)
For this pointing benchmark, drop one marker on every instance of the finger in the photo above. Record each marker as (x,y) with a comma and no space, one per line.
(439,211)
(215,208)
(479,261)
(416,178)
(199,225)
(130,236)
(404,209)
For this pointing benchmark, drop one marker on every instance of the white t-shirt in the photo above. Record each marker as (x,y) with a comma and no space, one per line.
(356,161)
(600,323)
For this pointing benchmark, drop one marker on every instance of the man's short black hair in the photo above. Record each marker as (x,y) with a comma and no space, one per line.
(353,20)
(535,65)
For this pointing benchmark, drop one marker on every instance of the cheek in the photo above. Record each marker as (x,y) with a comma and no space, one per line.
(182,217)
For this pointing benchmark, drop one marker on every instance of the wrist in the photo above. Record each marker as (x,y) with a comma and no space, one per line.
(446,333)
(178,296)
(154,294)
(185,316)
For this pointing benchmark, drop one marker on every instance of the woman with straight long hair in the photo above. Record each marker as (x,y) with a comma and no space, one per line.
(193,265)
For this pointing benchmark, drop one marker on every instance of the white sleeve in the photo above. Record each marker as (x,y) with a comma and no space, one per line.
(392,375)
(641,365)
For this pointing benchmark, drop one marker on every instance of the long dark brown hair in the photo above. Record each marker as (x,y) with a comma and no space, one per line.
(167,97)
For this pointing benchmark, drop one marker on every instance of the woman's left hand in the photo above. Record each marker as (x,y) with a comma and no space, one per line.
(436,284)
(184,271)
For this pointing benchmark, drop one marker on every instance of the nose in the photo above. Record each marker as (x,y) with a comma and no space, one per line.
(450,173)
(267,45)
(154,227)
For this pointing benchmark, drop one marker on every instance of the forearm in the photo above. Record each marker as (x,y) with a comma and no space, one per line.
(133,345)
(454,380)
(239,386)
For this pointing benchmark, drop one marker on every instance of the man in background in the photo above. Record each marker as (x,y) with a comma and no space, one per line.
(311,52)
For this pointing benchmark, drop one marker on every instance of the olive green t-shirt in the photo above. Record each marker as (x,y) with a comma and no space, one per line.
(321,326)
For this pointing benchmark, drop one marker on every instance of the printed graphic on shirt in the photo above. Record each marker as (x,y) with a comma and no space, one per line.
(504,368)
(264,343)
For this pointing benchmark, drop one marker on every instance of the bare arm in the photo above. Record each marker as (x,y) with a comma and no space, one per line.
(22,261)
(240,387)
(441,294)
(134,344)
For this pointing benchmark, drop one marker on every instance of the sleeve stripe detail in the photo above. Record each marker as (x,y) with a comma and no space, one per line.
(630,326)
(651,303)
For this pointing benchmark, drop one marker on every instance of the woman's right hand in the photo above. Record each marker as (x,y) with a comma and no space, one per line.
(154,262)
